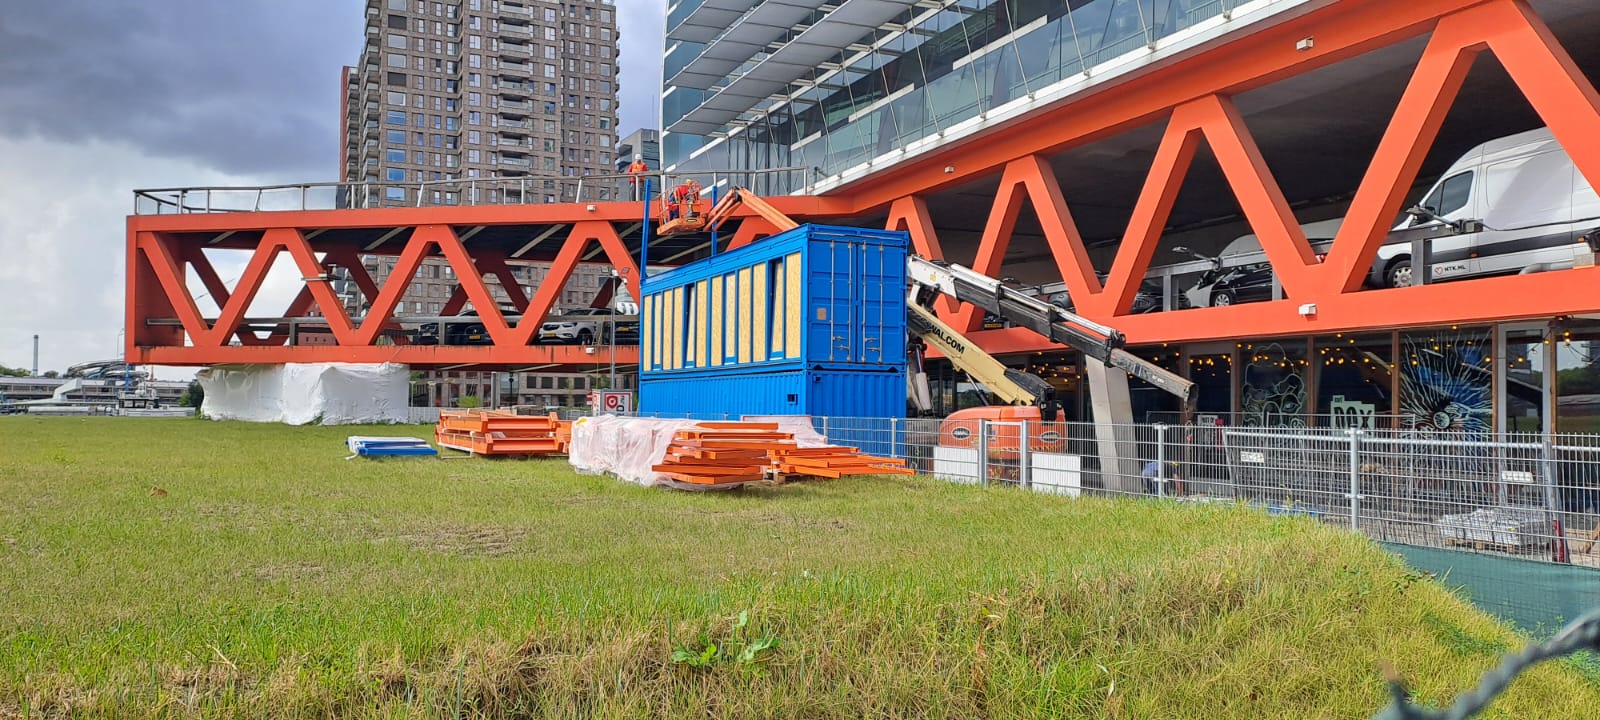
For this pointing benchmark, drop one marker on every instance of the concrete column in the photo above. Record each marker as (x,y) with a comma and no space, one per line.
(1112,411)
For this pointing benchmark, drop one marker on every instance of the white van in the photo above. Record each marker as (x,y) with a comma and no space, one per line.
(1535,207)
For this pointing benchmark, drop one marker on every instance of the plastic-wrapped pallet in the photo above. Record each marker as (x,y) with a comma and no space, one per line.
(630,447)
(625,447)
(1504,526)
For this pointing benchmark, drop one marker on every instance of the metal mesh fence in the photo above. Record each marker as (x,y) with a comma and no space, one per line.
(1529,497)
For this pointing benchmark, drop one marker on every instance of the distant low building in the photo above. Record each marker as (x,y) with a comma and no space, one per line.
(87,391)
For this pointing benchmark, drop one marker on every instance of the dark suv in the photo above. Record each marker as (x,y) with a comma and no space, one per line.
(465,332)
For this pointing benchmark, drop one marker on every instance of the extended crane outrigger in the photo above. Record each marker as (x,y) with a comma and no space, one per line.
(1108,365)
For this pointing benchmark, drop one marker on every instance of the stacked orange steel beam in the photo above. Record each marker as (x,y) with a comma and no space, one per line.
(835,462)
(492,432)
(732,453)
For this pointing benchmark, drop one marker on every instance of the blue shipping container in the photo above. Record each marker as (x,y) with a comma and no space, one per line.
(820,393)
(816,296)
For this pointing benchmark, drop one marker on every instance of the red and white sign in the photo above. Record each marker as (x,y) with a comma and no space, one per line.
(611,401)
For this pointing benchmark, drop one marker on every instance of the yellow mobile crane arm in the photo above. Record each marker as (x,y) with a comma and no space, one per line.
(1013,387)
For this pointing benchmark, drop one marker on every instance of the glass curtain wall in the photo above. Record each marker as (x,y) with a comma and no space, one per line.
(950,66)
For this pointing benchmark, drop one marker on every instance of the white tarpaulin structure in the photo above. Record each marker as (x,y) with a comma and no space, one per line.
(300,394)
(629,447)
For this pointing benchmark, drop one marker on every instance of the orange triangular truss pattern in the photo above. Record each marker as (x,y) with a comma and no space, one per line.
(1558,90)
(163,260)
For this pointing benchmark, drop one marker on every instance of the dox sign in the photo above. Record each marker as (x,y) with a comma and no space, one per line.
(611,401)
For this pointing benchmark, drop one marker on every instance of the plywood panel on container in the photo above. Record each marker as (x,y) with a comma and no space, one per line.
(675,337)
(647,320)
(701,313)
(731,339)
(758,324)
(745,301)
(718,350)
(794,307)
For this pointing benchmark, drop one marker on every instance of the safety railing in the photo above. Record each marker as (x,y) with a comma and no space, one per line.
(527,190)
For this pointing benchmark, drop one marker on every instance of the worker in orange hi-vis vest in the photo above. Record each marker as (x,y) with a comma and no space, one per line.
(682,200)
(639,167)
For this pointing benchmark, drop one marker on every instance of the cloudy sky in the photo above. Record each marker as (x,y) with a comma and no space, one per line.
(98,97)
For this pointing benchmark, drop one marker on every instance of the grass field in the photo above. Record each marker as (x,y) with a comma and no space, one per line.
(275,579)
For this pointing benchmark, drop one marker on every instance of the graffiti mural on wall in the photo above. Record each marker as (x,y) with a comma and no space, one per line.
(1274,388)
(1446,382)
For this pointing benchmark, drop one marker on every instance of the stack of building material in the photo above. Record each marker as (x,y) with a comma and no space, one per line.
(723,453)
(731,453)
(368,446)
(491,432)
(835,462)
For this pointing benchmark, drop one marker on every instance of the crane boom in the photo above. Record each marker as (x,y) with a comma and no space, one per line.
(1093,339)
(1012,386)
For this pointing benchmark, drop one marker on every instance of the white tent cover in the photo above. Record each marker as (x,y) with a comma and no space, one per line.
(301,394)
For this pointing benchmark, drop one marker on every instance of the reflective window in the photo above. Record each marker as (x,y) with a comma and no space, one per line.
(1526,354)
(1451,195)
(1355,380)
(1577,380)
(1446,382)
(1272,387)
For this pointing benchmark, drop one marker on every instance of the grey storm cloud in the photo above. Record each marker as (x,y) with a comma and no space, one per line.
(243,86)
(247,87)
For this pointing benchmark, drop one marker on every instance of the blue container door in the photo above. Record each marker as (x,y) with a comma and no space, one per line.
(831,313)
(880,312)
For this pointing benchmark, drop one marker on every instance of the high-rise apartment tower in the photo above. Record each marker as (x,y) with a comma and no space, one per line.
(518,96)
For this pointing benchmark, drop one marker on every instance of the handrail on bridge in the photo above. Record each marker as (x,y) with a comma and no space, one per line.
(452,192)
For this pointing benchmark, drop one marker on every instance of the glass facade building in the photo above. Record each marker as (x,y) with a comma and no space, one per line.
(830,86)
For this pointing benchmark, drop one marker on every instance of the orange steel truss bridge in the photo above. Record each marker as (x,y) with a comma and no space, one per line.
(1194,95)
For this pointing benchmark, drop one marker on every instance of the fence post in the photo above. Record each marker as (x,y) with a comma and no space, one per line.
(1161,459)
(824,427)
(1552,504)
(1355,478)
(894,437)
(1025,457)
(983,452)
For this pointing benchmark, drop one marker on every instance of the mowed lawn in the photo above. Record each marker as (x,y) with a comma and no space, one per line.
(273,578)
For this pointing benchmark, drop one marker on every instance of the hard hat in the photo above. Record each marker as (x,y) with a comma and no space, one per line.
(638,157)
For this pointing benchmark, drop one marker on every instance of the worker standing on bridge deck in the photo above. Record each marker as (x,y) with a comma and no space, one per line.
(683,199)
(638,168)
